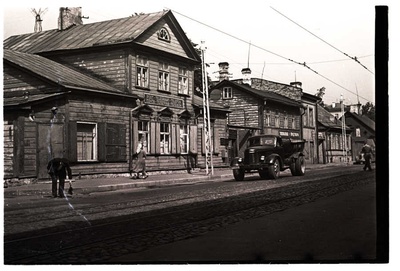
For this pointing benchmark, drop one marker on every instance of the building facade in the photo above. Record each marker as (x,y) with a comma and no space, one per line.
(135,84)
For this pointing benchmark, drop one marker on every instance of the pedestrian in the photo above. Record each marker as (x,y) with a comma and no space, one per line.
(367,151)
(139,163)
(58,168)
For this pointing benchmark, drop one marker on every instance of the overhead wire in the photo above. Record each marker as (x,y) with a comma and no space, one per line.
(353,58)
(304,64)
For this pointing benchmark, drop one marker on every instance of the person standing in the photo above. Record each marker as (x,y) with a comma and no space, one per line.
(139,165)
(367,151)
(58,168)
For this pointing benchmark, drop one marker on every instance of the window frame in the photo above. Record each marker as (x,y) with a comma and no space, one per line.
(163,34)
(95,134)
(182,136)
(227,93)
(183,76)
(142,71)
(163,76)
(145,133)
(163,134)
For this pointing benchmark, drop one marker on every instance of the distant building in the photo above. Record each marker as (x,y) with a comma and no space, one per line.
(363,129)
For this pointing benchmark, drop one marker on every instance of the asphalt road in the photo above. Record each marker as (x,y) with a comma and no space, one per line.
(337,228)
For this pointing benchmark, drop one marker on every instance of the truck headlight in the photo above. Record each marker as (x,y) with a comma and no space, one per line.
(240,160)
(262,158)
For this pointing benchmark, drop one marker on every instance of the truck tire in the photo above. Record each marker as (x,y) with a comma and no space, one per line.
(263,173)
(238,174)
(300,166)
(274,169)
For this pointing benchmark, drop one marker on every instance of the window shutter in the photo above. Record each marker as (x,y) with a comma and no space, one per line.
(135,136)
(203,144)
(216,142)
(72,144)
(193,139)
(178,139)
(174,140)
(155,137)
(122,142)
(101,141)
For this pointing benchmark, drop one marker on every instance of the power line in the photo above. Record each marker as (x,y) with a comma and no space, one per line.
(304,64)
(353,58)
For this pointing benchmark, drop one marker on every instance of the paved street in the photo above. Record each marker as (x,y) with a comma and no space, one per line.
(101,227)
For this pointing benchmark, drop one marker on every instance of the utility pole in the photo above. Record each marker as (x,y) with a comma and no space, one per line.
(344,137)
(206,115)
(38,18)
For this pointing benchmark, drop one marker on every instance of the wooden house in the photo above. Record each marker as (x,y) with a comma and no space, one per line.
(310,128)
(363,129)
(257,108)
(335,148)
(92,92)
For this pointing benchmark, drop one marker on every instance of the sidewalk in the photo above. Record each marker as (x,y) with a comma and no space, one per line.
(104,184)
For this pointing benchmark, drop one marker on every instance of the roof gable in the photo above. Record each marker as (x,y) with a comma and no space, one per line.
(263,94)
(363,120)
(117,31)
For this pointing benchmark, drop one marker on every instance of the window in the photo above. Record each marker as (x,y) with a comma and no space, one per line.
(305,118)
(277,122)
(164,138)
(183,81)
(143,131)
(227,93)
(86,142)
(163,34)
(311,116)
(358,132)
(285,122)
(293,122)
(184,138)
(163,76)
(142,71)
(268,119)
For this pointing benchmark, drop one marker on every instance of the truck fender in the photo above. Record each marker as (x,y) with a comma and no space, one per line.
(235,163)
(270,159)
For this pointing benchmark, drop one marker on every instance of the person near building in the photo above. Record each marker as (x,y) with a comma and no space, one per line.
(59,168)
(139,163)
(367,151)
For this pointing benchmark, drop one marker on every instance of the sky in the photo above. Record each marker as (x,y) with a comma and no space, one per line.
(261,35)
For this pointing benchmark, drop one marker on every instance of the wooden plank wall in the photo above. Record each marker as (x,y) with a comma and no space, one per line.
(8,148)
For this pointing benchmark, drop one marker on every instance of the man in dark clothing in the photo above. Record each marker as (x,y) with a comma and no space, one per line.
(58,168)
(367,151)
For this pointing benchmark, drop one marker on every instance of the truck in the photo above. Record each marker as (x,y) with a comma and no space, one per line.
(269,155)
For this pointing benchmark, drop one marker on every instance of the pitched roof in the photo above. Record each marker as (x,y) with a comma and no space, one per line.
(324,117)
(198,102)
(363,120)
(82,36)
(265,95)
(116,31)
(56,74)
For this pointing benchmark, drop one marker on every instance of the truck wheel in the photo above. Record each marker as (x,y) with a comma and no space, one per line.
(300,166)
(238,174)
(263,173)
(274,170)
(293,168)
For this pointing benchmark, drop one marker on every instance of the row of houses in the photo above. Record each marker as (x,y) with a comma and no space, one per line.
(91,92)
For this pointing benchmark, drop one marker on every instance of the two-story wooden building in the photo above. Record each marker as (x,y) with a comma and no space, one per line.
(258,107)
(92,92)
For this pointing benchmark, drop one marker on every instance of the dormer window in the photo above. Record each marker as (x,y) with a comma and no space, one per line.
(163,34)
(227,93)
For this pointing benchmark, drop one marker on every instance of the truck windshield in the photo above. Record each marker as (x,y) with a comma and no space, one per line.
(261,141)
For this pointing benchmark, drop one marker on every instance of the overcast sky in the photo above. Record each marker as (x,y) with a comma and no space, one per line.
(227,27)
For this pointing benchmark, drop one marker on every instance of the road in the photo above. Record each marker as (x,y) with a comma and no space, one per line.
(101,227)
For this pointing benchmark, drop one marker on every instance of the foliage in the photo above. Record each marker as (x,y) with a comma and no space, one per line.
(198,80)
(320,94)
(368,110)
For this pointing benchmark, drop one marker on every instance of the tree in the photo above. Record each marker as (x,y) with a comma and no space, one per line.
(320,94)
(198,80)
(368,110)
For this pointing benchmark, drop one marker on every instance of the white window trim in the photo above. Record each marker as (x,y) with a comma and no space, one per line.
(95,150)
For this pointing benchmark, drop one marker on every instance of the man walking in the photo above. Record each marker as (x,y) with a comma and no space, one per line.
(58,168)
(367,151)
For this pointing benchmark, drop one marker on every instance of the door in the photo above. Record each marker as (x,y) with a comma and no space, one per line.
(50,145)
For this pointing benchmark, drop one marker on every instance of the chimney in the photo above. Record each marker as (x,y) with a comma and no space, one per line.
(69,17)
(246,72)
(296,84)
(223,71)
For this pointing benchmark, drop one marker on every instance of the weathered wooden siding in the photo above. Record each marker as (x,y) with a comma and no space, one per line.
(150,38)
(109,65)
(16,82)
(245,109)
(8,148)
